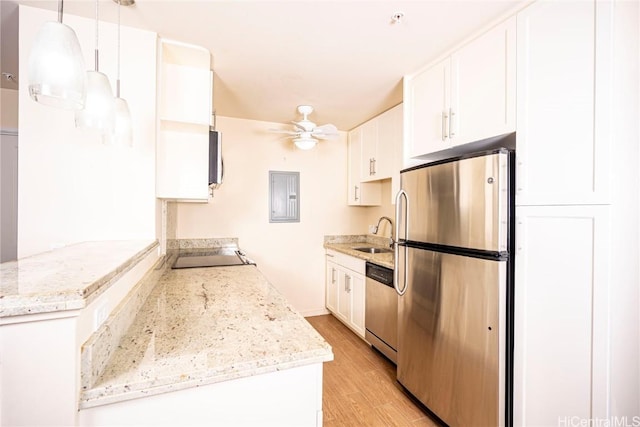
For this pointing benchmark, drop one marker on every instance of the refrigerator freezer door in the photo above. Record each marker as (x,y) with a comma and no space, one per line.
(451,347)
(462,203)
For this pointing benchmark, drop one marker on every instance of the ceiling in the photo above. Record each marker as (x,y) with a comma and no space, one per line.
(345,58)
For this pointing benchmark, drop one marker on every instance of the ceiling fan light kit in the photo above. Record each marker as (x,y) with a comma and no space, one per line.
(305,143)
(305,133)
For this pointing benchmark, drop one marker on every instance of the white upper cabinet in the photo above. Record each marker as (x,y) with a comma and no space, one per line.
(483,86)
(360,193)
(369,154)
(375,150)
(389,142)
(564,103)
(185,94)
(466,97)
(426,108)
(381,139)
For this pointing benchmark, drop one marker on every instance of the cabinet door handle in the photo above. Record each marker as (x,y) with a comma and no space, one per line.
(374,165)
(356,193)
(347,284)
(451,132)
(444,125)
(333,275)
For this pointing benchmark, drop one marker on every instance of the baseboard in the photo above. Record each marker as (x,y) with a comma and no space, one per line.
(315,313)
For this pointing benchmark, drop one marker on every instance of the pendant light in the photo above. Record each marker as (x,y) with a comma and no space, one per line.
(56,67)
(122,132)
(98,107)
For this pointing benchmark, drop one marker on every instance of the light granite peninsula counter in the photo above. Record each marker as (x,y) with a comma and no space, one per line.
(67,278)
(50,303)
(202,330)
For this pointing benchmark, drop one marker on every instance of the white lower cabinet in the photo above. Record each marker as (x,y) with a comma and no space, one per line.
(332,285)
(345,289)
(561,314)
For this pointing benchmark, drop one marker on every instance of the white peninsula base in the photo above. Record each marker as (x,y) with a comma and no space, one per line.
(291,397)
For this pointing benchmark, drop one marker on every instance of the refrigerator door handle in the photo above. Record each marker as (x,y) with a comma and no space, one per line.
(396,254)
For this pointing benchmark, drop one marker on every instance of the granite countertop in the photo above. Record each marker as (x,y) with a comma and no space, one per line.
(67,278)
(347,245)
(206,325)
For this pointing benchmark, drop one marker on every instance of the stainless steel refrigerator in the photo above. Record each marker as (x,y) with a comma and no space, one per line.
(454,275)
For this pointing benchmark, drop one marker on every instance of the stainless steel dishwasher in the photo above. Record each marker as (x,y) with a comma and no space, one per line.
(381,311)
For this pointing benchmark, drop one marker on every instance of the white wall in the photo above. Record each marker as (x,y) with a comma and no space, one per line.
(290,255)
(71,187)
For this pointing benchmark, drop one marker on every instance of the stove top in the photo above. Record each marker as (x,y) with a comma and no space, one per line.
(219,257)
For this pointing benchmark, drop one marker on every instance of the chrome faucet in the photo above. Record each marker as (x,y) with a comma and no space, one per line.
(377,227)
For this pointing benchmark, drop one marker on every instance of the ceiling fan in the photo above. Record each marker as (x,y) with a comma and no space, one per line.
(305,133)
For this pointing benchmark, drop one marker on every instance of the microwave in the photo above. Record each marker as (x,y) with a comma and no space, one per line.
(216,166)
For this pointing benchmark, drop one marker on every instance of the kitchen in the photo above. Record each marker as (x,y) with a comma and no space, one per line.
(241,214)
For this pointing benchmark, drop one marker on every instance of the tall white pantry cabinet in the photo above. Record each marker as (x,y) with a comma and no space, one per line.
(565,238)
(577,296)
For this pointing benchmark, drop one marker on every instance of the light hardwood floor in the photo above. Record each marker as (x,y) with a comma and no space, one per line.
(359,385)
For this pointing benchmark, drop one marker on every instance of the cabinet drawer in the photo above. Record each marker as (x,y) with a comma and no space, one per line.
(346,261)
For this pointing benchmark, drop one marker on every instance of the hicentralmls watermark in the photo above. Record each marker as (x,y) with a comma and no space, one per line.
(576,421)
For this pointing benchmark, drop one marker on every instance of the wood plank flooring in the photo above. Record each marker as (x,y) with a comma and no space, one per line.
(359,385)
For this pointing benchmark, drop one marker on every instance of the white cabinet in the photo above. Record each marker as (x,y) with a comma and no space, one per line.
(332,284)
(563,228)
(360,193)
(375,153)
(564,103)
(466,97)
(389,149)
(427,110)
(184,93)
(381,137)
(369,153)
(351,299)
(561,314)
(483,86)
(345,290)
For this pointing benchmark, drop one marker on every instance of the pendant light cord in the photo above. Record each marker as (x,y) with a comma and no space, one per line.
(60,7)
(97,20)
(118,71)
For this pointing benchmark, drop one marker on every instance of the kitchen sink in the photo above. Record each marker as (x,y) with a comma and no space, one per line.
(372,250)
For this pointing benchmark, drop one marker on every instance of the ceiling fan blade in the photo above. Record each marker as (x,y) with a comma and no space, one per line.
(286,132)
(325,136)
(296,124)
(328,128)
(327,131)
